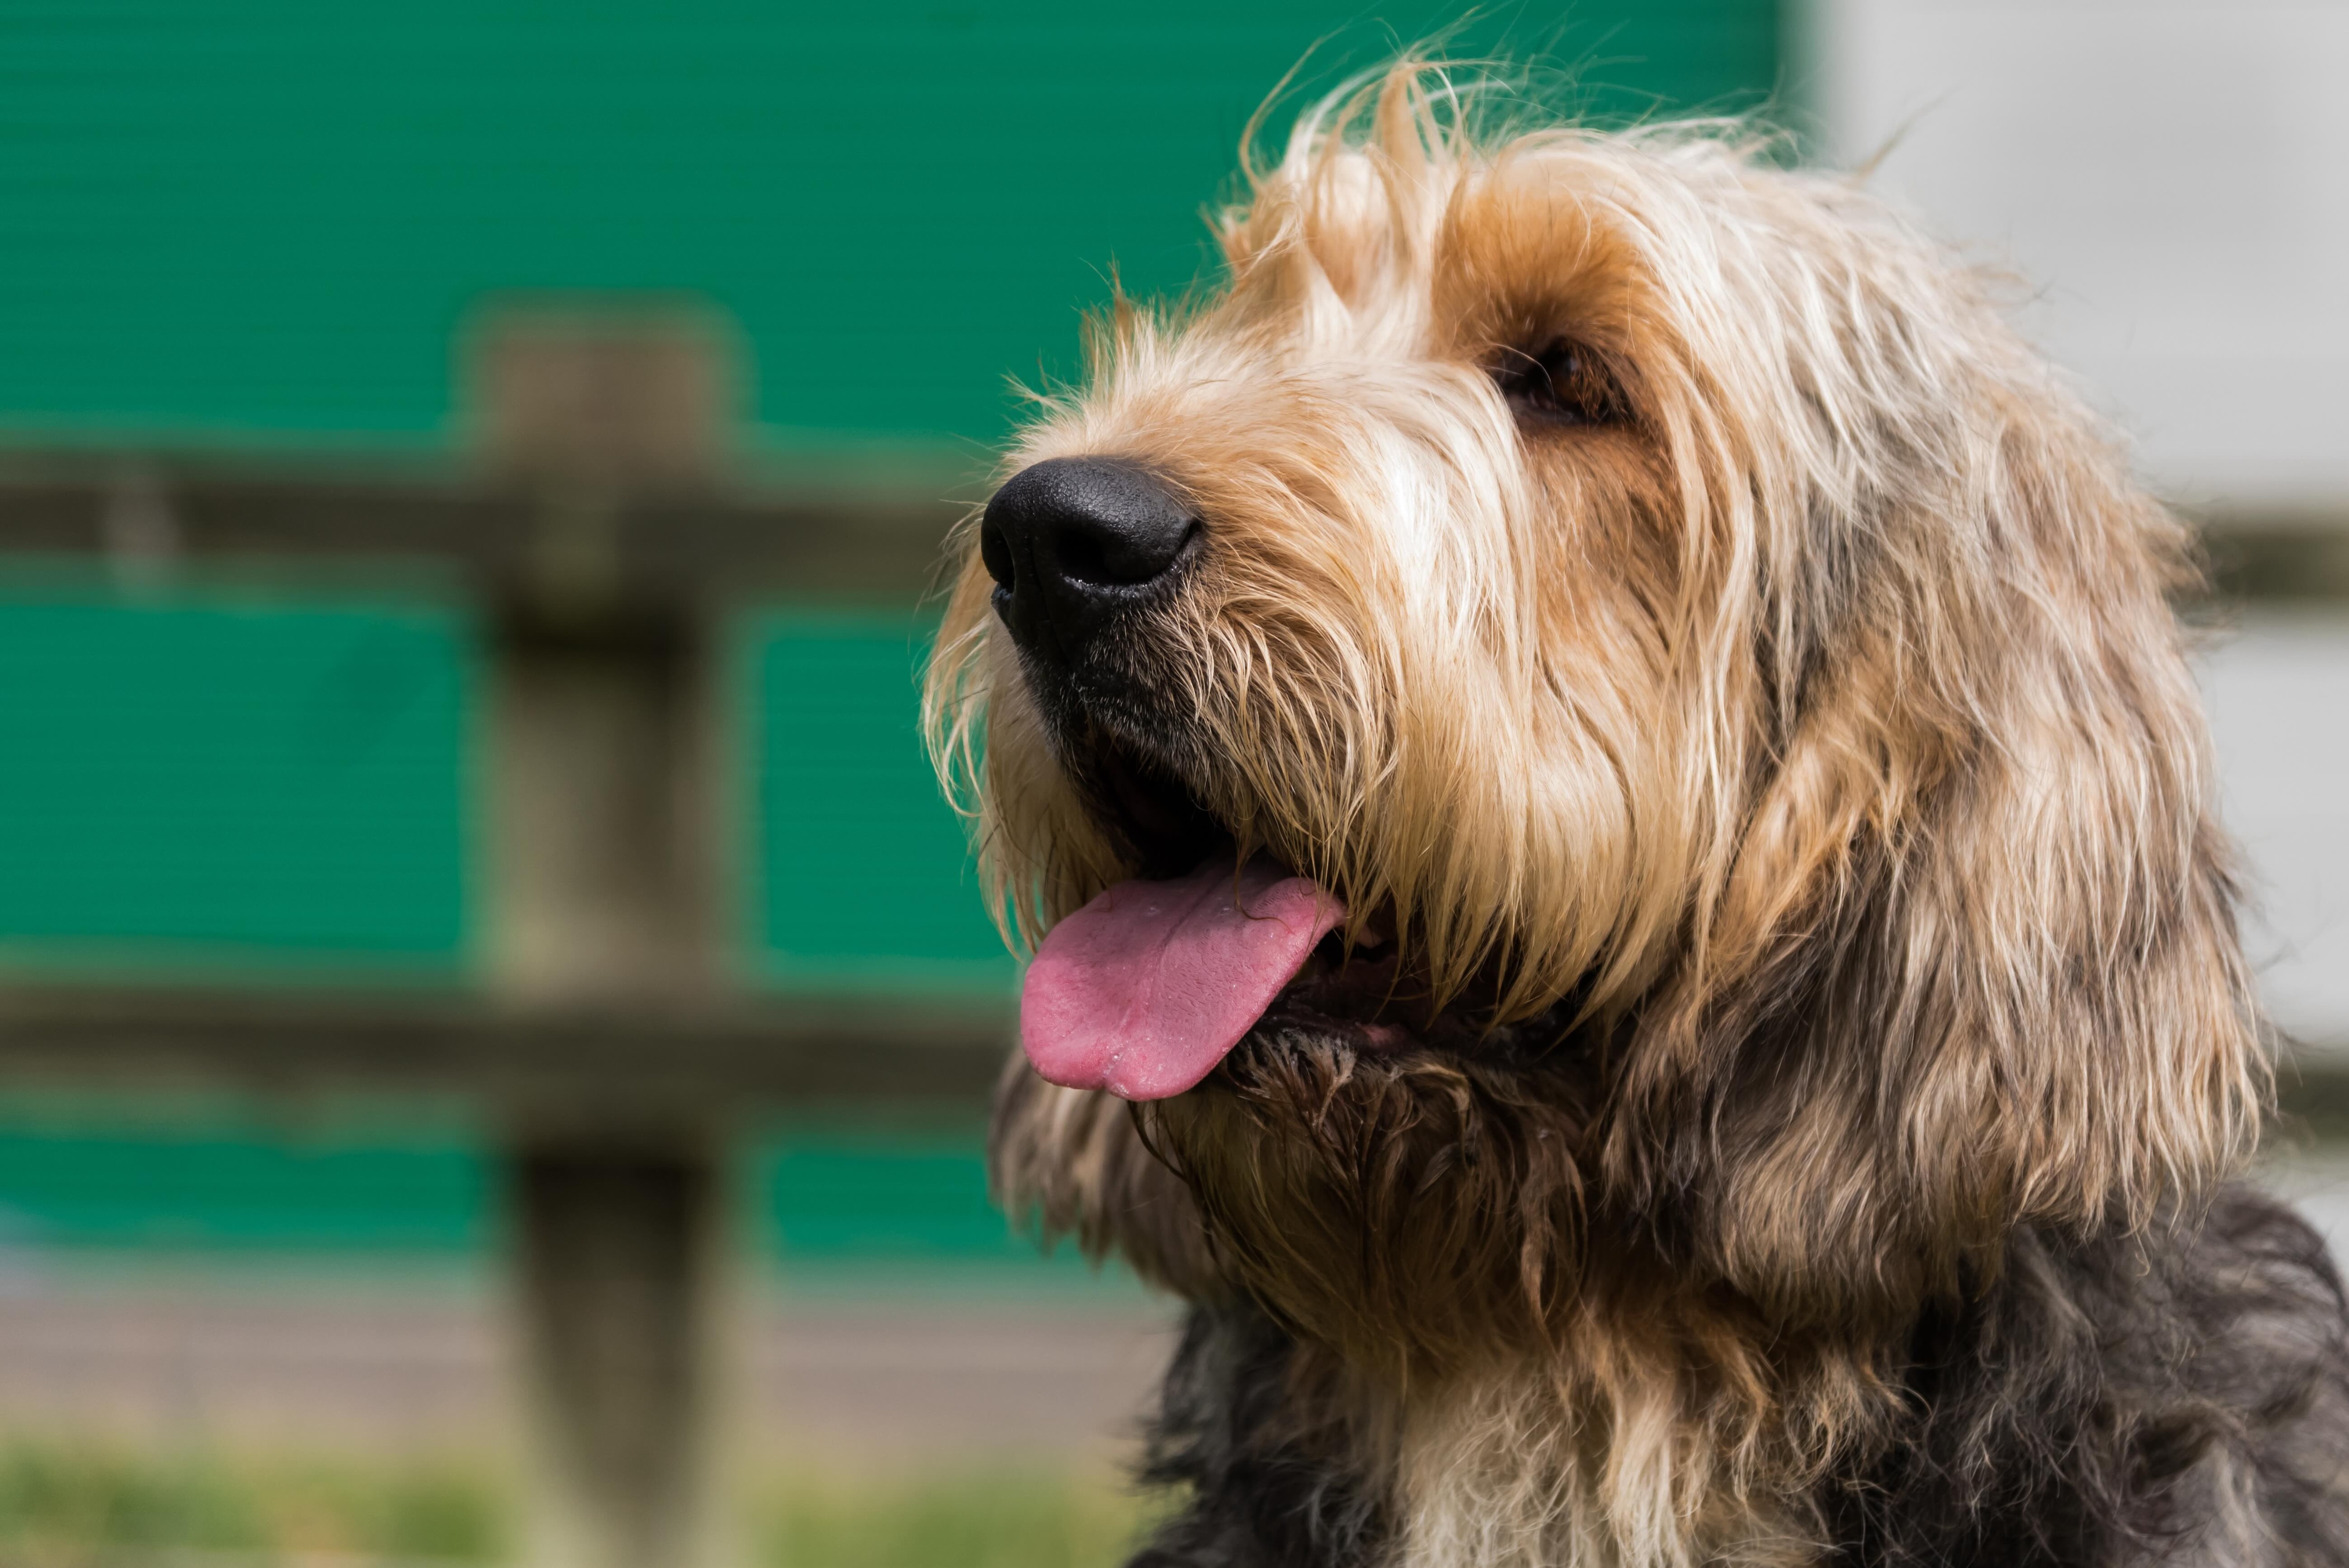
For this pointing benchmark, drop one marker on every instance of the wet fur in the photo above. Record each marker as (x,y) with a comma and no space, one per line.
(1792,793)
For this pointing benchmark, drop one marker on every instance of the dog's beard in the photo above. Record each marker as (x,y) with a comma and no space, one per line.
(1413,1208)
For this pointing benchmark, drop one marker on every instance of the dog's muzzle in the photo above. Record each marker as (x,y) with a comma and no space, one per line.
(1073,543)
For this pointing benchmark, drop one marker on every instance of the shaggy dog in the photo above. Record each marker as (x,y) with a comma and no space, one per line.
(1625,891)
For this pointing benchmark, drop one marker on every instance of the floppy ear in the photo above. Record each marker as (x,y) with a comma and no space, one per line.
(1070,1162)
(1971,958)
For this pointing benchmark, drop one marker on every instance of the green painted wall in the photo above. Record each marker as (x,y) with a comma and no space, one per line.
(230,784)
(857,873)
(259,222)
(844,1205)
(220,779)
(264,224)
(209,1180)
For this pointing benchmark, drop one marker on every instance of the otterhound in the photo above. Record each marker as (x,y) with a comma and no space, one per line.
(1625,894)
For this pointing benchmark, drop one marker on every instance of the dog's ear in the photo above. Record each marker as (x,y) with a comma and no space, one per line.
(1970,959)
(1070,1163)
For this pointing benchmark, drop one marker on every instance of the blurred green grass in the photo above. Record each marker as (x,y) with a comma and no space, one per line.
(66,1504)
(83,1504)
(1011,1520)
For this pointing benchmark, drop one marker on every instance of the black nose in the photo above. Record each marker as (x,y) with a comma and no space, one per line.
(1072,542)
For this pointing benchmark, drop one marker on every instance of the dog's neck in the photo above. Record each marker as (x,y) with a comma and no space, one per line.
(1520,1468)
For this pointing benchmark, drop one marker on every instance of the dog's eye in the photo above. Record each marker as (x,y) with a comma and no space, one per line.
(1563,384)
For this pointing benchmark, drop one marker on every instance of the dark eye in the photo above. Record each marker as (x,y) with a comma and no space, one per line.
(1563,384)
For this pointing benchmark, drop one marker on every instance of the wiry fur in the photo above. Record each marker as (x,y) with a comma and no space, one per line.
(1793,794)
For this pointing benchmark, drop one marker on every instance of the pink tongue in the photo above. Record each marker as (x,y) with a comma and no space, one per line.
(1142,991)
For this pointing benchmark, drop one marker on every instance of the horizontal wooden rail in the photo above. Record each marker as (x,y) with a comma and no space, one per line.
(860,528)
(605,1063)
(863,533)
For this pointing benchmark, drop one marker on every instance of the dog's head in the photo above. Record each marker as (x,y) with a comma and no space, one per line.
(1646,720)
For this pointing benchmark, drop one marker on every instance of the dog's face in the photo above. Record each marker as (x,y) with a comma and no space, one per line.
(1596,688)
(1362,566)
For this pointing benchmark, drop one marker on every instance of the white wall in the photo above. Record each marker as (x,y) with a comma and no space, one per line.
(2278,689)
(2172,176)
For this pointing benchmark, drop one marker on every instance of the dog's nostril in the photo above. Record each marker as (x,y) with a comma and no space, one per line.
(1072,542)
(1123,558)
(995,554)
(1084,558)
